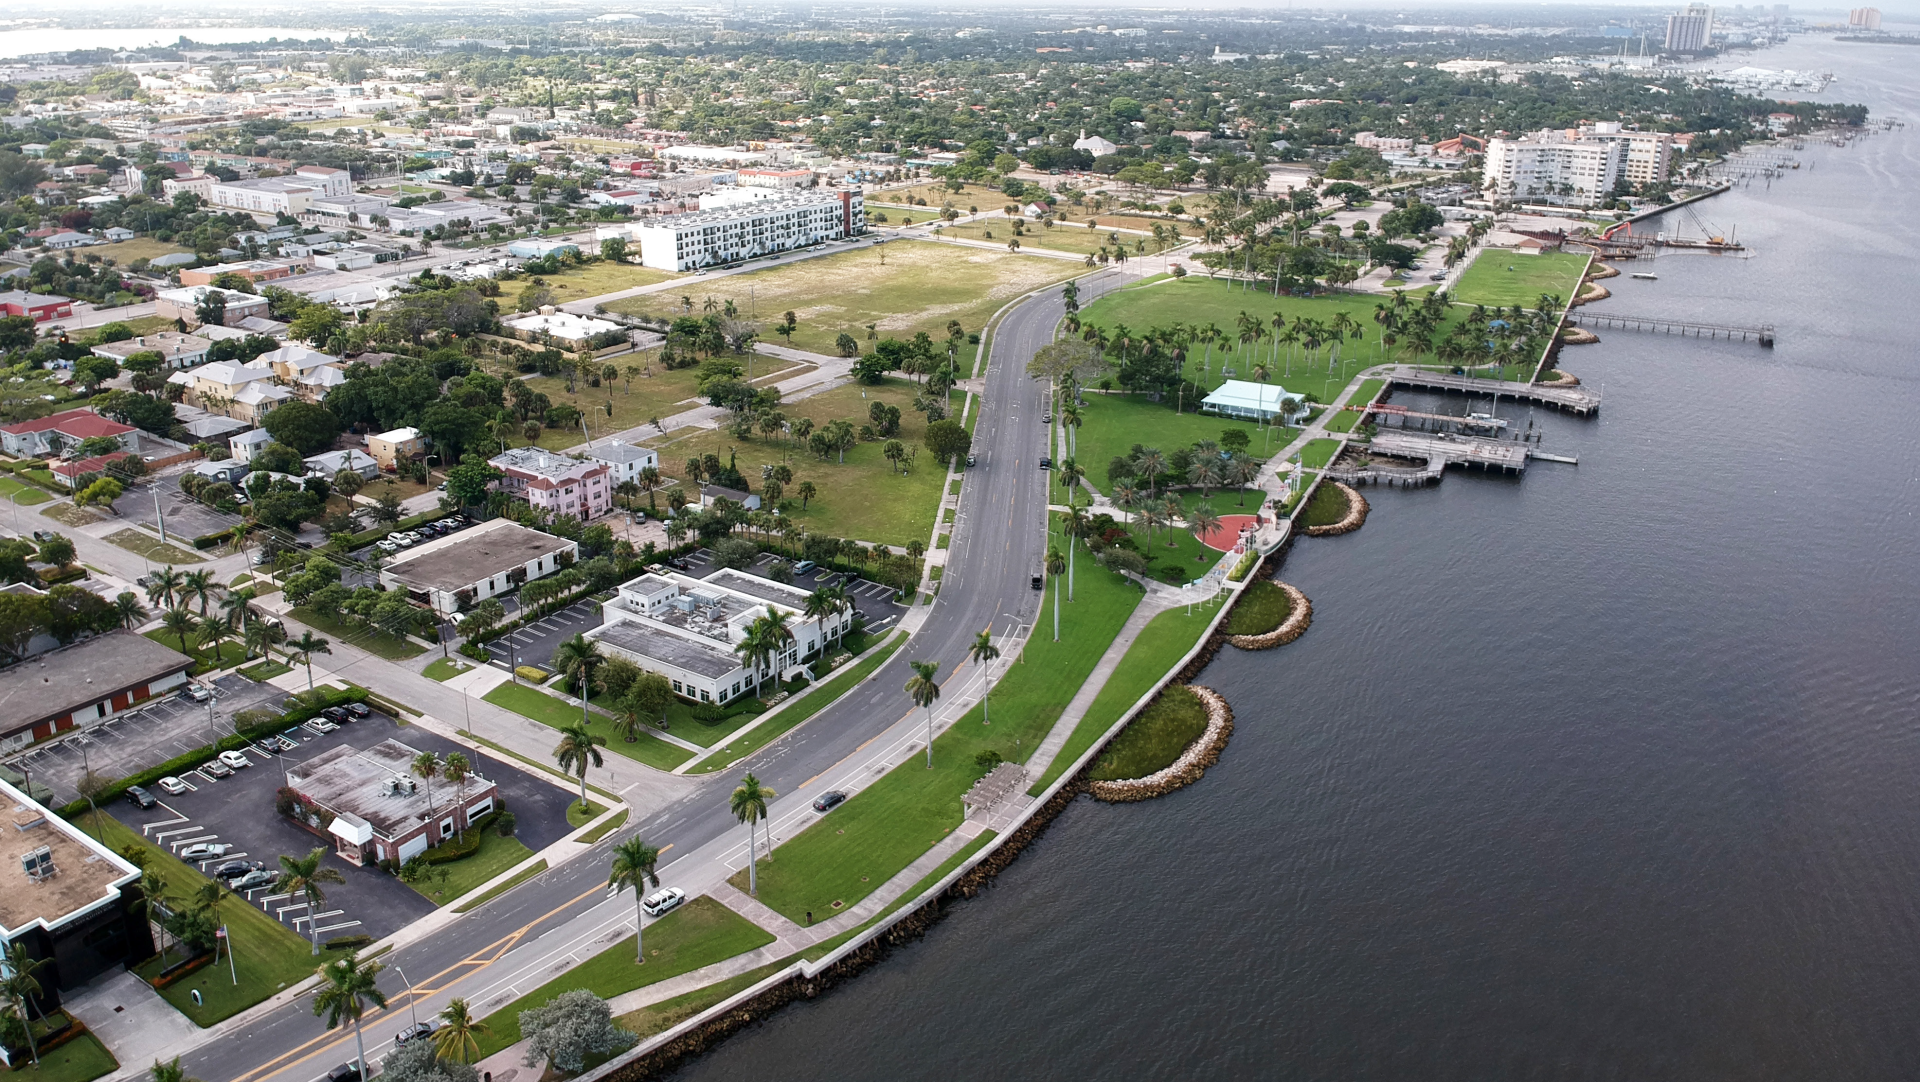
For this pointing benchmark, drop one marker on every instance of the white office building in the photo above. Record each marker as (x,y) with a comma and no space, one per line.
(1551,167)
(708,238)
(1648,155)
(1689,31)
(290,195)
(686,629)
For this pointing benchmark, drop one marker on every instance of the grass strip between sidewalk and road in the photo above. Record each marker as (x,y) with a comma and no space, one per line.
(605,828)
(1162,643)
(698,934)
(267,956)
(498,889)
(885,827)
(784,722)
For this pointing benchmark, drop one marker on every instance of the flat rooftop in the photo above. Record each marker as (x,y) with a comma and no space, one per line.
(84,872)
(459,560)
(61,681)
(346,779)
(691,655)
(791,597)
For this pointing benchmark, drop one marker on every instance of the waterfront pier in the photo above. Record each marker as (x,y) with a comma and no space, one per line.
(1763,334)
(1583,401)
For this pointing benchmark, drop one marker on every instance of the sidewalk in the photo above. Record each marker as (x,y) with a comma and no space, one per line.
(1149,607)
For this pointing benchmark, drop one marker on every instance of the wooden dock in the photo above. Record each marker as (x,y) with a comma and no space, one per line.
(1763,334)
(1445,448)
(1583,401)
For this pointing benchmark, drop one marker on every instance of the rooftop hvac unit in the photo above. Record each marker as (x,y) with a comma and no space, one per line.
(38,864)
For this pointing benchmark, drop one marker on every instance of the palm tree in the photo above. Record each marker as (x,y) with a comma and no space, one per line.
(754,648)
(20,986)
(153,888)
(749,805)
(577,750)
(427,766)
(825,603)
(1205,472)
(348,986)
(457,769)
(303,876)
(1152,464)
(1056,563)
(209,896)
(162,585)
(1071,419)
(924,690)
(1071,474)
(578,657)
(307,645)
(128,610)
(633,862)
(983,652)
(1203,521)
(213,632)
(199,586)
(181,623)
(458,1038)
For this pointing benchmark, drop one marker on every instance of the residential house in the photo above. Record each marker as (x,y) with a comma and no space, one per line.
(389,449)
(184,304)
(309,372)
(711,493)
(562,328)
(331,463)
(54,434)
(243,446)
(624,461)
(62,241)
(180,350)
(246,391)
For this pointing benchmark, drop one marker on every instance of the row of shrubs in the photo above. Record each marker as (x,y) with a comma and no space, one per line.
(304,709)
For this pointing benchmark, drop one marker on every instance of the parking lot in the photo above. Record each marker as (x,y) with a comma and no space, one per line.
(871,600)
(535,643)
(138,739)
(186,517)
(238,810)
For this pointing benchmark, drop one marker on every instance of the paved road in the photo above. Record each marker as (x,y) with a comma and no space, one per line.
(515,944)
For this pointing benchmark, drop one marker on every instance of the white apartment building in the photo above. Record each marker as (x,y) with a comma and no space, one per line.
(686,629)
(281,195)
(708,238)
(1549,167)
(1649,154)
(1689,31)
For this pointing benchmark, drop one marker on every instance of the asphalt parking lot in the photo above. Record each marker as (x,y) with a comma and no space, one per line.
(186,517)
(238,811)
(138,739)
(535,643)
(871,600)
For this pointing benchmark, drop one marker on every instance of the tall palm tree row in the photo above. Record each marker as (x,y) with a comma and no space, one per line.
(924,690)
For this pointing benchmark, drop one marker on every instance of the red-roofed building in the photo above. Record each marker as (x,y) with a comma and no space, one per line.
(51,435)
(39,307)
(80,473)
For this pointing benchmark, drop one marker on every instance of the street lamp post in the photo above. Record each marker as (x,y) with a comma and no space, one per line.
(415,1014)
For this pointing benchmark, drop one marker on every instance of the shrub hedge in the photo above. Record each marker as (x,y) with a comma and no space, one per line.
(235,742)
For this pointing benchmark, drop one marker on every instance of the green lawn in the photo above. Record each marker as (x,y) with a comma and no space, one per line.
(696,935)
(150,546)
(445,668)
(494,857)
(24,494)
(1154,738)
(593,280)
(264,670)
(1060,238)
(1261,608)
(1328,506)
(668,1013)
(605,828)
(1346,419)
(865,497)
(819,698)
(498,889)
(1317,453)
(578,816)
(79,1060)
(885,827)
(900,286)
(267,955)
(1165,640)
(1174,555)
(548,710)
(681,722)
(372,640)
(1499,276)
(1196,301)
(636,402)
(1110,424)
(230,653)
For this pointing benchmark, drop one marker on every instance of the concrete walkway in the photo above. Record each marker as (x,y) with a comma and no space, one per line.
(1149,607)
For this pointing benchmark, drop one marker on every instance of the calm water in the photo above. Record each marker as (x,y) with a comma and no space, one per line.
(1609,772)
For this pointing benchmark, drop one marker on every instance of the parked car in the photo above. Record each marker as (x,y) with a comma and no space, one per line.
(1046,462)
(322,725)
(1437,276)
(259,877)
(663,901)
(234,869)
(388,546)
(358,710)
(346,1072)
(140,798)
(829,801)
(336,714)
(205,851)
(236,759)
(971,459)
(217,769)
(197,693)
(805,567)
(1047,417)
(171,786)
(413,1033)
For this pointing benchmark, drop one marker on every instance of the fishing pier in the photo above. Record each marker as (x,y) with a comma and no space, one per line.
(1763,334)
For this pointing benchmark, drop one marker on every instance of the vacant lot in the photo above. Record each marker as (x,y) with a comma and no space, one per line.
(636,400)
(1501,276)
(593,280)
(936,195)
(900,288)
(1059,238)
(866,497)
(127,251)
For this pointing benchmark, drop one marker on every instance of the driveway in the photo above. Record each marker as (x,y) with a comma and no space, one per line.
(238,810)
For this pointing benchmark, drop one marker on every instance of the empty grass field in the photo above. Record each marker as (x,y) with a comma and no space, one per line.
(1503,277)
(900,288)
(146,544)
(635,400)
(596,279)
(866,497)
(999,231)
(1154,738)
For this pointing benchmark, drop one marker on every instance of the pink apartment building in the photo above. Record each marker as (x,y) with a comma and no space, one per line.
(555,483)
